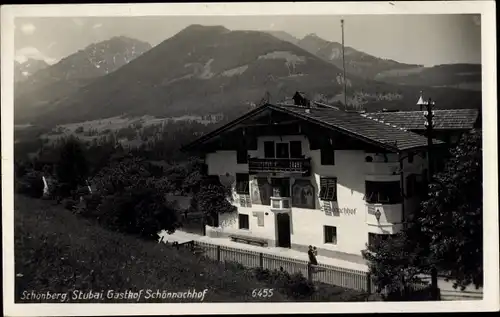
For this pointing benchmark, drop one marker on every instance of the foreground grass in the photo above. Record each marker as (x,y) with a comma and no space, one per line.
(57,251)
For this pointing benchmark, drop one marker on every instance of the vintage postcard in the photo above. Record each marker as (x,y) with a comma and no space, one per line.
(219,158)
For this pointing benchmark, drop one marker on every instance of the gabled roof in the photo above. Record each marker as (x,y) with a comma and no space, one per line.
(443,119)
(353,124)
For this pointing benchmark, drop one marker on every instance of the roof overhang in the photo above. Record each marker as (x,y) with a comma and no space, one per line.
(387,146)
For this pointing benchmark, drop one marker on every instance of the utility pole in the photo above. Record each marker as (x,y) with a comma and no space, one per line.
(343,65)
(430,161)
(430,129)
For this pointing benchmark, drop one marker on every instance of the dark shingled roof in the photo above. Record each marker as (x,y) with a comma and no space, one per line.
(443,119)
(354,124)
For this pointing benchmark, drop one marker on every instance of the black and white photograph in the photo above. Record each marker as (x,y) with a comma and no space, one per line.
(183,154)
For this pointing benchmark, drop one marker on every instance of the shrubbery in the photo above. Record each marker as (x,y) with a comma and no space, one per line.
(294,285)
(30,184)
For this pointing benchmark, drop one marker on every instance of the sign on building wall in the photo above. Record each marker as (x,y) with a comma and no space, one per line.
(260,218)
(303,194)
(260,191)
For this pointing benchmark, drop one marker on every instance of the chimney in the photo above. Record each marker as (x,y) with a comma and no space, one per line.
(297,99)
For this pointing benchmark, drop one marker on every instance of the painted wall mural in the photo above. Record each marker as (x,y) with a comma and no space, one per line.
(260,191)
(303,194)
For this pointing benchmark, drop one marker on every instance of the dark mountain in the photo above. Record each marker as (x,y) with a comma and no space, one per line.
(463,76)
(356,62)
(24,70)
(284,36)
(75,71)
(203,70)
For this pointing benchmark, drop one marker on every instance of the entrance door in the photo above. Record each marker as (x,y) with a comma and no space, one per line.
(283,223)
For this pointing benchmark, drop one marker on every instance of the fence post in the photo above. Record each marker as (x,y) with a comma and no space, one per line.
(218,253)
(261,260)
(369,283)
(309,272)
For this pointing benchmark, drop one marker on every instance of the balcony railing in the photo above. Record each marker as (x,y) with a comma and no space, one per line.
(270,165)
(281,203)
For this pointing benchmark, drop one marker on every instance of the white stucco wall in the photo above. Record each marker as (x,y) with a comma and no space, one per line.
(353,222)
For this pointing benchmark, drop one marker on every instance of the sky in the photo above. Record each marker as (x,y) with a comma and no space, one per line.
(416,39)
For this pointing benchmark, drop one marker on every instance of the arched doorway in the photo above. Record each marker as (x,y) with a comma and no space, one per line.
(283,227)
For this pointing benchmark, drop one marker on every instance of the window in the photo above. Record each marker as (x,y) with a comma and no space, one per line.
(241,156)
(295,149)
(327,155)
(330,235)
(268,149)
(383,192)
(328,189)
(281,187)
(243,221)
(374,238)
(242,184)
(282,150)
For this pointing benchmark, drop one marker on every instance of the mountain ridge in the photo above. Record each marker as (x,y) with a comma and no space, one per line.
(211,69)
(75,71)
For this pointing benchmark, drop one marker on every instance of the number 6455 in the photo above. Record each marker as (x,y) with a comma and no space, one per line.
(263,292)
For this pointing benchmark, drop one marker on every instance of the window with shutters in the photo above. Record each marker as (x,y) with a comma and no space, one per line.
(243,221)
(242,184)
(328,188)
(330,234)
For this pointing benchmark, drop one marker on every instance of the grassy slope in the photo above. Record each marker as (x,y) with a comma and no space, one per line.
(57,251)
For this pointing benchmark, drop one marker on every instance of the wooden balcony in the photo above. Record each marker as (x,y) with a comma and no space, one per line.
(270,165)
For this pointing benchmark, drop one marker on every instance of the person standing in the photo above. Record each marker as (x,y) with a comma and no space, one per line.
(312,256)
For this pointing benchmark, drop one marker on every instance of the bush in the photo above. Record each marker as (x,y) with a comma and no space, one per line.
(30,184)
(69,203)
(294,285)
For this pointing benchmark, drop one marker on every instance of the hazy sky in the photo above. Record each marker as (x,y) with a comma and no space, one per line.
(420,39)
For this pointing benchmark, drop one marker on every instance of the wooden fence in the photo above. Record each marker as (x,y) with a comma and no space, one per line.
(328,274)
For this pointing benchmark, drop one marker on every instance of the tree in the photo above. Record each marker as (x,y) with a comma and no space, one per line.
(72,166)
(396,263)
(445,233)
(132,200)
(451,217)
(209,195)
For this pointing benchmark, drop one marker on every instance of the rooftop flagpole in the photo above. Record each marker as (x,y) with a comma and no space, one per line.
(343,65)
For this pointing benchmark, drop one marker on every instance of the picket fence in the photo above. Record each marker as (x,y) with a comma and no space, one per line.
(328,274)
